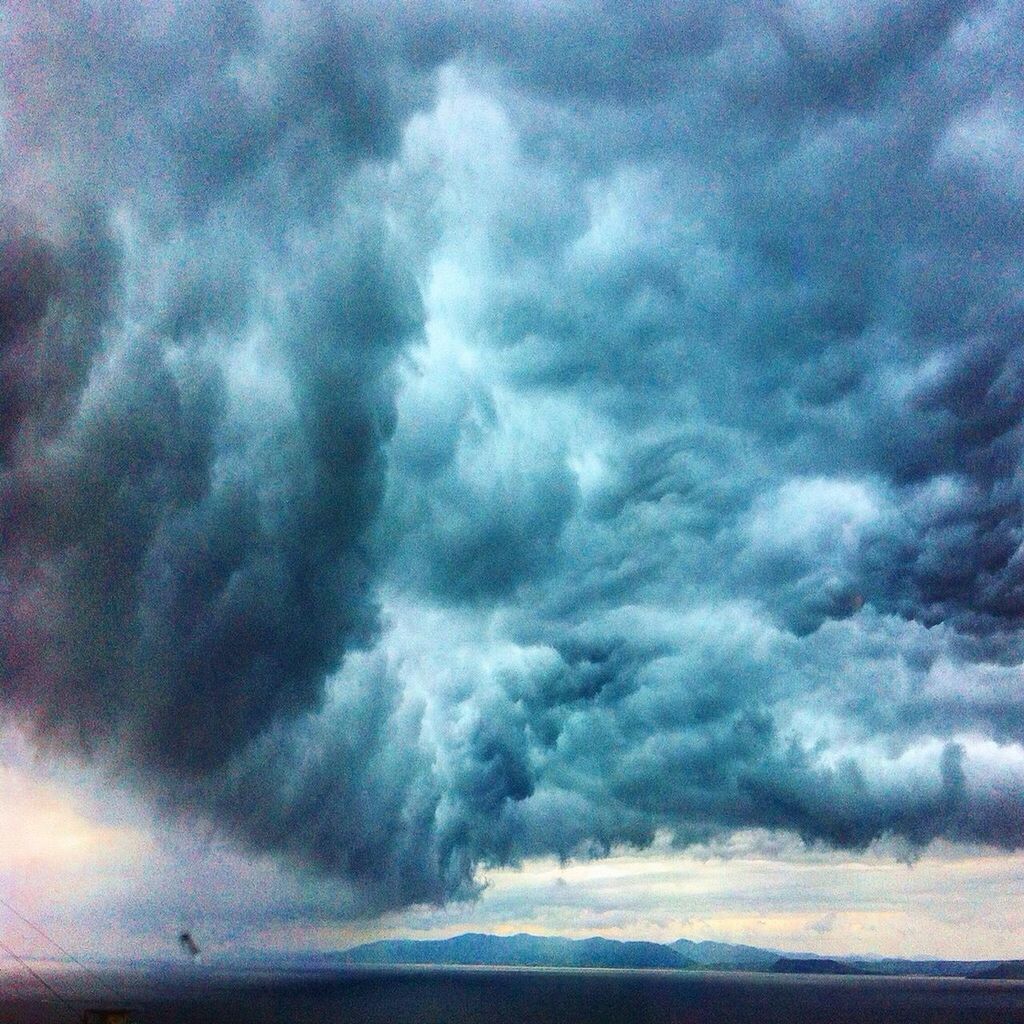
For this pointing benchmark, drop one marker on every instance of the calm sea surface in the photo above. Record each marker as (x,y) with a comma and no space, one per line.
(550,996)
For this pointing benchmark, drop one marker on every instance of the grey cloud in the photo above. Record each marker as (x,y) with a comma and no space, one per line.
(667,401)
(183,554)
(198,390)
(766,292)
(631,55)
(482,502)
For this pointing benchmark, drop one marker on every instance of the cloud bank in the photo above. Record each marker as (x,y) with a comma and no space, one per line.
(436,436)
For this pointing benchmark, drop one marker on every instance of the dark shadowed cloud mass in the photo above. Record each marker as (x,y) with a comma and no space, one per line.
(437,435)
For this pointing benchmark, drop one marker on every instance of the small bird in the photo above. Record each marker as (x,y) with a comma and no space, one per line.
(188,944)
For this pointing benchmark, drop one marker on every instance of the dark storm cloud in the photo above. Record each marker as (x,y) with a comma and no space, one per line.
(197,381)
(191,105)
(599,52)
(781,356)
(481,518)
(163,548)
(657,371)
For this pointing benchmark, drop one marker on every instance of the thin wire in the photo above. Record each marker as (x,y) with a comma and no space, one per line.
(119,996)
(42,981)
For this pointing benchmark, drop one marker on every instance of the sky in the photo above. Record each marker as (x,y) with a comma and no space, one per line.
(522,466)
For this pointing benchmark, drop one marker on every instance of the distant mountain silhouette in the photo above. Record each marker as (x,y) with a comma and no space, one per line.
(816,965)
(727,955)
(928,968)
(523,950)
(519,951)
(1012,970)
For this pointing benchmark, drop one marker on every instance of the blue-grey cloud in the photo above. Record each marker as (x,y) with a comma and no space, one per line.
(438,436)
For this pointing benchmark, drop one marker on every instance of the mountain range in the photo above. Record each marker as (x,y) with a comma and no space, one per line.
(523,950)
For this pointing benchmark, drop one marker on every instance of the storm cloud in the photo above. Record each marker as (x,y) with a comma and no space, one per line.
(438,436)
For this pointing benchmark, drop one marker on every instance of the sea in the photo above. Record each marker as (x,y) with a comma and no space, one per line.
(500,995)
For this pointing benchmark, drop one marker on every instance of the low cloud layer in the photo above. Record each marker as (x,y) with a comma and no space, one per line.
(435,437)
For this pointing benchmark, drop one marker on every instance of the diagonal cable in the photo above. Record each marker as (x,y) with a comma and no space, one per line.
(119,996)
(42,981)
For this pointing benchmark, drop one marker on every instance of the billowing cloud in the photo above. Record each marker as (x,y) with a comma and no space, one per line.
(434,437)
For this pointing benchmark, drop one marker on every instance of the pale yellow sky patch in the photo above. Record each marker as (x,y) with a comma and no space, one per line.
(800,900)
(42,827)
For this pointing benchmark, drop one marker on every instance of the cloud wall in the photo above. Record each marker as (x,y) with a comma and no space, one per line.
(434,436)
